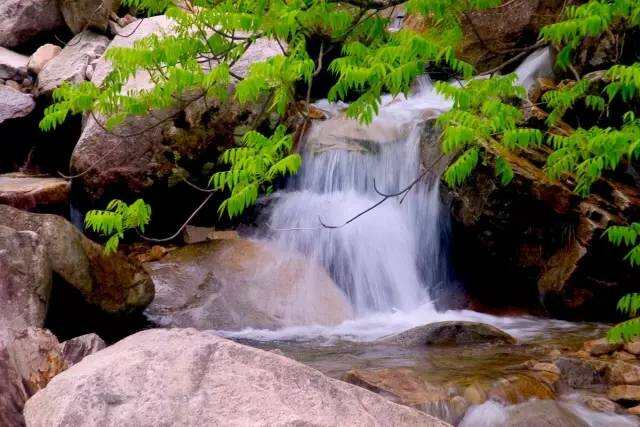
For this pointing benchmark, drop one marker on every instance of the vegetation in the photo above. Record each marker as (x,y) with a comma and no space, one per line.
(118,218)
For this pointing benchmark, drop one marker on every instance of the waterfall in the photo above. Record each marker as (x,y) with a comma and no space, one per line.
(386,259)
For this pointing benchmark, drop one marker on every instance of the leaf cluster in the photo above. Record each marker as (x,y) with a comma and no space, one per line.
(116,219)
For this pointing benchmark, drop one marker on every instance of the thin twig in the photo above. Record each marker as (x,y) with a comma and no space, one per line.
(177,233)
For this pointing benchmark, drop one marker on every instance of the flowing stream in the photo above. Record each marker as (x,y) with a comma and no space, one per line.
(388,259)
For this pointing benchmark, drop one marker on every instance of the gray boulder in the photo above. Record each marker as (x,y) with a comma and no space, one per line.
(25,279)
(34,192)
(76,349)
(137,165)
(14,104)
(450,333)
(110,281)
(22,20)
(12,64)
(190,378)
(238,283)
(81,15)
(71,64)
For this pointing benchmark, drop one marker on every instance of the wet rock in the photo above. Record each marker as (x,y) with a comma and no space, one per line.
(400,385)
(28,361)
(475,394)
(624,392)
(192,234)
(14,104)
(450,333)
(519,388)
(71,64)
(81,15)
(140,166)
(42,56)
(110,281)
(235,284)
(601,404)
(76,349)
(634,410)
(12,64)
(623,355)
(545,367)
(34,193)
(542,413)
(601,347)
(22,20)
(581,373)
(25,279)
(186,377)
(619,372)
(632,347)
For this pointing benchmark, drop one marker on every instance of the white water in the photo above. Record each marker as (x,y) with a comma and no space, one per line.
(386,260)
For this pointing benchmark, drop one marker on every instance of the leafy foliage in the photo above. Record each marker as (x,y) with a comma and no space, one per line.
(253,166)
(118,218)
(483,117)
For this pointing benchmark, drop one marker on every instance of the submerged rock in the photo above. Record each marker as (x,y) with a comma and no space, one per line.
(236,284)
(110,281)
(33,192)
(25,279)
(191,378)
(450,333)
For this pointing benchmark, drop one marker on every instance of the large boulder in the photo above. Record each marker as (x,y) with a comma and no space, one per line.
(14,104)
(22,20)
(190,378)
(109,281)
(450,333)
(81,15)
(136,165)
(235,284)
(547,242)
(28,360)
(71,64)
(34,192)
(25,279)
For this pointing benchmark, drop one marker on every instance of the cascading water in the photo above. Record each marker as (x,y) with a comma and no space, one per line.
(388,257)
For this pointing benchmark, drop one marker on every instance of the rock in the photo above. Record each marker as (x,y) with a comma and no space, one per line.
(634,410)
(14,104)
(619,372)
(581,373)
(28,361)
(546,367)
(34,193)
(475,394)
(81,15)
(623,355)
(22,20)
(632,347)
(110,281)
(450,333)
(140,166)
(235,284)
(42,56)
(76,349)
(191,378)
(71,64)
(12,64)
(560,276)
(519,388)
(624,392)
(25,279)
(601,404)
(547,413)
(192,234)
(601,347)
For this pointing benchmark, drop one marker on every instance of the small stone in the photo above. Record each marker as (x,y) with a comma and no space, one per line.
(635,410)
(624,392)
(13,84)
(582,354)
(601,347)
(154,254)
(632,347)
(620,372)
(475,394)
(546,367)
(601,404)
(555,353)
(41,56)
(13,103)
(623,355)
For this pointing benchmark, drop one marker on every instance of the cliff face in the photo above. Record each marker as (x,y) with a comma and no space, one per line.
(537,245)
